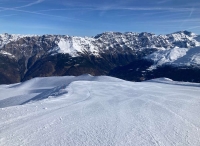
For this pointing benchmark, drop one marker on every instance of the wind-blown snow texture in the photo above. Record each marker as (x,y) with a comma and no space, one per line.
(89,110)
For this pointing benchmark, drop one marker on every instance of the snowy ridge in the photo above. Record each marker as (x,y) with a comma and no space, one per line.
(7,38)
(115,42)
(176,57)
(102,110)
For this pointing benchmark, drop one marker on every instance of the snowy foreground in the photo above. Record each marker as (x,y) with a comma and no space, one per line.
(104,111)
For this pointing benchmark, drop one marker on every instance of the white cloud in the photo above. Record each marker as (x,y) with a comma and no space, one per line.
(24,6)
(163,1)
(30,4)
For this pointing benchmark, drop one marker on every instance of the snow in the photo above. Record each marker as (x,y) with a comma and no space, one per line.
(176,57)
(102,110)
(7,38)
(6,53)
(66,47)
(192,57)
(108,41)
(75,45)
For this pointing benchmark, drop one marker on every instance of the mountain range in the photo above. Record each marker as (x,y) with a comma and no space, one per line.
(130,56)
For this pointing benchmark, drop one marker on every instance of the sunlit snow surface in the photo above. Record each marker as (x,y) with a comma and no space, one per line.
(102,111)
(176,57)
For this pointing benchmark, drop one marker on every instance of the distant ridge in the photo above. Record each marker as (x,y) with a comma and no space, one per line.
(27,56)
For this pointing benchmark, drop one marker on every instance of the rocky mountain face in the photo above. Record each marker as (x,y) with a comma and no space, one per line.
(126,55)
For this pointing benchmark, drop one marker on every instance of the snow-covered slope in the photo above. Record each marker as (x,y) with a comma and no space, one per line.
(89,110)
(176,57)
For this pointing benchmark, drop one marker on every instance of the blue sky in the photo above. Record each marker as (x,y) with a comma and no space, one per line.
(90,17)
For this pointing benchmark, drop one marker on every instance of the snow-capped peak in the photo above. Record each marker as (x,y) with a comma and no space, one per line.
(6,38)
(115,42)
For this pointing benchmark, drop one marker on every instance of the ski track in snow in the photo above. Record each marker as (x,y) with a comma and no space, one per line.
(100,111)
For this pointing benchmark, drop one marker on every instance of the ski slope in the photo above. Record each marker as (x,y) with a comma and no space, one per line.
(100,111)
